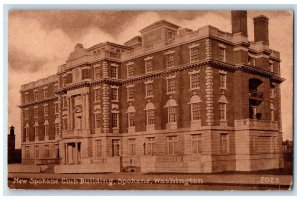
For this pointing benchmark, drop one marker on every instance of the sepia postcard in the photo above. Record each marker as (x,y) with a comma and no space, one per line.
(150,99)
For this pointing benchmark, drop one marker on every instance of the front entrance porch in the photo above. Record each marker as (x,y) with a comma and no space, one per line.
(72,153)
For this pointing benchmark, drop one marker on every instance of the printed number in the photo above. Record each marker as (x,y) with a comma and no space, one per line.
(269,179)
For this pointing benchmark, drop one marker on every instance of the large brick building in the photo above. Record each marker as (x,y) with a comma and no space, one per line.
(170,100)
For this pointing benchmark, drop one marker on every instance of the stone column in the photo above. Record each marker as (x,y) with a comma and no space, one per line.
(83,111)
(66,153)
(87,111)
(69,113)
(209,96)
(76,150)
(208,49)
(105,102)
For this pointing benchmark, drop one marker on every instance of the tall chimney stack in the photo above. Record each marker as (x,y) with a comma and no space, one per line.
(239,22)
(12,130)
(261,29)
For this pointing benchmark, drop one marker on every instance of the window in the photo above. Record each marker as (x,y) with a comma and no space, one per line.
(170,60)
(65,124)
(172,111)
(56,127)
(45,93)
(150,114)
(36,151)
(131,122)
(171,85)
(27,152)
(26,97)
(149,90)
(222,111)
(150,144)
(36,131)
(222,54)
(224,143)
(47,153)
(35,95)
(195,54)
(131,147)
(45,110)
(114,94)
(97,73)
(85,74)
(26,114)
(98,148)
(195,81)
(97,95)
(69,78)
(196,111)
(196,144)
(148,66)
(222,108)
(26,129)
(65,102)
(150,117)
(222,80)
(171,144)
(116,148)
(115,120)
(114,71)
(97,120)
(130,93)
(130,70)
(36,112)
(46,126)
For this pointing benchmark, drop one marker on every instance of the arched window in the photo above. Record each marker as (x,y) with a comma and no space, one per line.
(223,108)
(131,111)
(272,112)
(36,129)
(195,102)
(172,110)
(150,114)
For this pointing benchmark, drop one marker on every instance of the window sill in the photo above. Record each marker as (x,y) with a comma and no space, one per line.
(222,88)
(168,93)
(115,101)
(147,97)
(130,100)
(197,88)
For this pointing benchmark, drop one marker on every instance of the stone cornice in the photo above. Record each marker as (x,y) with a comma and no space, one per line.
(144,77)
(262,72)
(38,102)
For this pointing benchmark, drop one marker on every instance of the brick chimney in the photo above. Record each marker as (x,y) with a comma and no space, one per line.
(239,22)
(261,29)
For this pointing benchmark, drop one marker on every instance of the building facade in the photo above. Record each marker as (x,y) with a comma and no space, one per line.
(169,100)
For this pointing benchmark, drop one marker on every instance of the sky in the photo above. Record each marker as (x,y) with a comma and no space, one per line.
(40,41)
